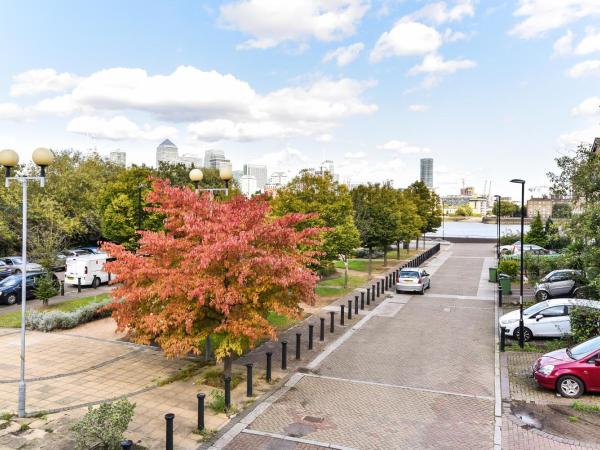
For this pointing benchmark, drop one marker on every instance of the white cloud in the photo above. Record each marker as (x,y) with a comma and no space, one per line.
(38,81)
(355,155)
(589,44)
(585,68)
(439,12)
(564,44)
(435,64)
(12,111)
(418,108)
(223,129)
(585,135)
(271,22)
(589,107)
(406,38)
(118,128)
(540,16)
(454,36)
(403,147)
(324,138)
(61,105)
(344,55)
(289,159)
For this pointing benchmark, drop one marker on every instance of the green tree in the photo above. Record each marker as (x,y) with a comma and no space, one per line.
(410,223)
(464,211)
(561,210)
(118,221)
(507,209)
(331,204)
(536,234)
(428,206)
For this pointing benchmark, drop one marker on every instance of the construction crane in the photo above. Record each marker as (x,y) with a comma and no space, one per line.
(540,190)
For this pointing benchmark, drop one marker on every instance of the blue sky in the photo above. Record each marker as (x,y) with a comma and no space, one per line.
(490,89)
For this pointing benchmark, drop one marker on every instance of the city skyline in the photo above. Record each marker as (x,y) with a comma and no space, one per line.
(379,86)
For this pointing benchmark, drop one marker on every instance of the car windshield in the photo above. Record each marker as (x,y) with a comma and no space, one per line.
(585,348)
(13,280)
(535,308)
(411,274)
(16,260)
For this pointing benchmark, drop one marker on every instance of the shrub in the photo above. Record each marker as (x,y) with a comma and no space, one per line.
(103,427)
(217,401)
(509,267)
(508,239)
(53,320)
(585,323)
(45,288)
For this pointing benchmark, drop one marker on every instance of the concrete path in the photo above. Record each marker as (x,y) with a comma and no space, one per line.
(417,372)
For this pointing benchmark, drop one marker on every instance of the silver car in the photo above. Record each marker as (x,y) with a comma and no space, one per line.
(413,279)
(563,282)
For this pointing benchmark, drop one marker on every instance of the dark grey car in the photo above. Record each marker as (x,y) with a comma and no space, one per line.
(559,283)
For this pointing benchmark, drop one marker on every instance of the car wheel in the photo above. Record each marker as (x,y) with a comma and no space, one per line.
(422,292)
(398,292)
(429,285)
(570,386)
(579,293)
(11,299)
(541,296)
(17,271)
(527,334)
(96,282)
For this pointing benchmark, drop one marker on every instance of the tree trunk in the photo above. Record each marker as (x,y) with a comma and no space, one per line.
(370,262)
(385,247)
(227,363)
(398,250)
(346,274)
(417,242)
(207,349)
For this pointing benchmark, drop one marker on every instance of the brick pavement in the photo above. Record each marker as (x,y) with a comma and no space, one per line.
(417,373)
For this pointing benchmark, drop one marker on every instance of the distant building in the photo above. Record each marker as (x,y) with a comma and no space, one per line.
(237,175)
(276,181)
(258,172)
(468,190)
(167,152)
(478,204)
(427,172)
(191,160)
(118,157)
(248,185)
(596,145)
(214,158)
(542,205)
(326,167)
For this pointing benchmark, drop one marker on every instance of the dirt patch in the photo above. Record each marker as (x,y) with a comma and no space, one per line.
(559,420)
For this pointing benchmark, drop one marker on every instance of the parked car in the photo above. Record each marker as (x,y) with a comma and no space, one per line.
(570,371)
(545,319)
(560,283)
(413,279)
(90,249)
(87,269)
(61,258)
(10,287)
(16,264)
(5,270)
(508,249)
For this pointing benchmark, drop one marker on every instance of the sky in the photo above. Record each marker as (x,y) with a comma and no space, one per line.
(490,89)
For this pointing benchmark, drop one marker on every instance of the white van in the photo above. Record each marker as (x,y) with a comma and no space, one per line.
(88,268)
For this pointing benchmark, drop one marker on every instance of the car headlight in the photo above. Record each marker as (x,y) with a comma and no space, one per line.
(546,370)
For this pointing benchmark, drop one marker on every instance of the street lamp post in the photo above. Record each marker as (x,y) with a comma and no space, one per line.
(443,222)
(9,159)
(521,336)
(498,212)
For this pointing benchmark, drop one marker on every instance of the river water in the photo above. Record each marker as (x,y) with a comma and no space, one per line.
(476,229)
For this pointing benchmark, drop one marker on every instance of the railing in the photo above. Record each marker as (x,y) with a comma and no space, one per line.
(420,259)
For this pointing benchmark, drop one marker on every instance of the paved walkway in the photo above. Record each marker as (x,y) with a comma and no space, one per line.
(416,372)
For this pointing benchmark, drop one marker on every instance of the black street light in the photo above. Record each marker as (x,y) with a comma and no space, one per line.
(498,211)
(443,222)
(521,336)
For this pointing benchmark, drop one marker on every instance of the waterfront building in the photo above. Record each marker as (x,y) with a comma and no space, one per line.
(427,172)
(214,158)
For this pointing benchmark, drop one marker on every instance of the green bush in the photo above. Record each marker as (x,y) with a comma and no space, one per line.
(508,239)
(585,323)
(509,267)
(217,401)
(63,320)
(103,427)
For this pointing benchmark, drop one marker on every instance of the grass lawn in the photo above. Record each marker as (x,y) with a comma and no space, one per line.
(335,286)
(279,321)
(361,265)
(13,319)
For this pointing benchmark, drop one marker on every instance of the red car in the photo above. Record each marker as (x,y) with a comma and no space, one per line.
(571,371)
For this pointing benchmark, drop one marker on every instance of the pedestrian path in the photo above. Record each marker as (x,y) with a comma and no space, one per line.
(415,372)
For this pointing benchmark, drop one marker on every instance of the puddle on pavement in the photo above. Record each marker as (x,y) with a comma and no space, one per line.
(528,417)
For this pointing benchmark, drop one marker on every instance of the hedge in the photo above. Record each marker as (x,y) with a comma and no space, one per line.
(585,323)
(61,320)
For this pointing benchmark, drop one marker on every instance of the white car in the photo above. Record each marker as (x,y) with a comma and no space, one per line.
(545,319)
(413,279)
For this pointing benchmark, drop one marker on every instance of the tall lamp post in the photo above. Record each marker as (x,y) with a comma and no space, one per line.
(521,337)
(9,159)
(443,222)
(498,215)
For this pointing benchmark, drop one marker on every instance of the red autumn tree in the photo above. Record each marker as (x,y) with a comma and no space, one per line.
(218,268)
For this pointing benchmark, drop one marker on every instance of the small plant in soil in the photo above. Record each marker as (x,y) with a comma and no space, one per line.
(207,435)
(214,377)
(6,415)
(584,407)
(573,419)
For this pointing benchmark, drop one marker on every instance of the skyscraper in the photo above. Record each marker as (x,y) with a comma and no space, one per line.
(257,171)
(248,185)
(167,152)
(213,158)
(427,172)
(118,157)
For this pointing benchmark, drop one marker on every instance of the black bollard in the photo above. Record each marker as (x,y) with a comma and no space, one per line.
(349,309)
(500,296)
(502,338)
(362,300)
(377,288)
(322,330)
(342,315)
(283,355)
(269,361)
(169,436)
(227,392)
(385,284)
(368,297)
(200,396)
(373,292)
(311,329)
(331,321)
(249,380)
(62,292)
(298,343)
(127,444)
(79,285)
(356,305)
